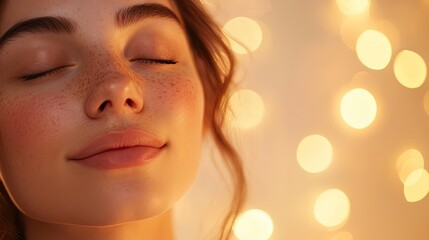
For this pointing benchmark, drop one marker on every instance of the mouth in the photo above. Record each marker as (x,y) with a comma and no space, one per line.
(120,149)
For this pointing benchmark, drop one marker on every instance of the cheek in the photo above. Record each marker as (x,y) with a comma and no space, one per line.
(27,120)
(180,100)
(30,125)
(182,97)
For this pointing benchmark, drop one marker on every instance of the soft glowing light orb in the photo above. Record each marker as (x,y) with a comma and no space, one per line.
(410,69)
(409,161)
(416,186)
(353,7)
(253,225)
(358,108)
(245,34)
(314,154)
(374,49)
(342,236)
(246,109)
(332,208)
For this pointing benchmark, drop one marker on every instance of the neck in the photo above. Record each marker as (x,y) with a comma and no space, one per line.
(158,227)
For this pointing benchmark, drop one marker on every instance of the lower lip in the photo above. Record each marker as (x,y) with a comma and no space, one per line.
(121,158)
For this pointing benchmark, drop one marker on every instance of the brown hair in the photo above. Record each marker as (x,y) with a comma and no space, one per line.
(216,64)
(10,225)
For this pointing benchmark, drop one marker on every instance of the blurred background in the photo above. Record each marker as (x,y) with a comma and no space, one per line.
(331,118)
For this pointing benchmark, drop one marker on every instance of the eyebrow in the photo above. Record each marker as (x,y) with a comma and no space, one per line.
(38,25)
(131,15)
(53,24)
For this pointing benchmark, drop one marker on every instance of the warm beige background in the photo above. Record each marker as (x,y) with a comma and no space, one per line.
(301,71)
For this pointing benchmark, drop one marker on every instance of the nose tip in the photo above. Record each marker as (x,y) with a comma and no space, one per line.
(116,96)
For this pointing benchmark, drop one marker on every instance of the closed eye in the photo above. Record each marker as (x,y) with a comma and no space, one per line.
(42,74)
(155,61)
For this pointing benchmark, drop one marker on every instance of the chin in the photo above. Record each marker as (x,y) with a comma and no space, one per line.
(124,213)
(107,213)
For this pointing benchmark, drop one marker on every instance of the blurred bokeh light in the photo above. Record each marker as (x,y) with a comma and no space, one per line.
(410,69)
(332,208)
(314,153)
(416,186)
(245,34)
(358,108)
(409,161)
(374,49)
(353,7)
(253,224)
(246,109)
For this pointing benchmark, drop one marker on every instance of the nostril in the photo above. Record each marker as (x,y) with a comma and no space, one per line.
(102,106)
(130,103)
(116,96)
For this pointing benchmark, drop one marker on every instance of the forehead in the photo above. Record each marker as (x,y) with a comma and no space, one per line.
(82,12)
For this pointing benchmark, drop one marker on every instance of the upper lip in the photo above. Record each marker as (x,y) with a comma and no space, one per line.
(117,140)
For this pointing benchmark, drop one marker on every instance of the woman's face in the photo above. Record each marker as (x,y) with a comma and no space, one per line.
(106,73)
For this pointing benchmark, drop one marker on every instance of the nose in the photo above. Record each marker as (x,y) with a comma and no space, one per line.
(115,94)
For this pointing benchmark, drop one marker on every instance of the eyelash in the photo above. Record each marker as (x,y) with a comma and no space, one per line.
(56,70)
(156,61)
(42,74)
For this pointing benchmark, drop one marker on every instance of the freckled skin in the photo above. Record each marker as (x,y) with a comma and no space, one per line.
(45,121)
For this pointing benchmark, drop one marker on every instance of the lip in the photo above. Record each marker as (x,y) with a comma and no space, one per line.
(120,149)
